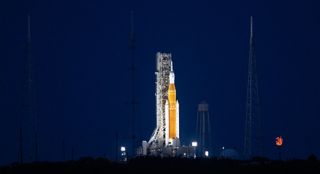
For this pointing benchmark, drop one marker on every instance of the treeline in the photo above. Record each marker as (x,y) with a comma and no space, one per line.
(152,165)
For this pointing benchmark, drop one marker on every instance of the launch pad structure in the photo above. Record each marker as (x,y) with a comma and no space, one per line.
(165,140)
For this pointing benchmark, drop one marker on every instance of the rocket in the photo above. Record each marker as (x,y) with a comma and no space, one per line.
(166,132)
(172,112)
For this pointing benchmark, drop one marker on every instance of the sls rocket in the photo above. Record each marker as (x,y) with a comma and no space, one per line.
(172,112)
(166,132)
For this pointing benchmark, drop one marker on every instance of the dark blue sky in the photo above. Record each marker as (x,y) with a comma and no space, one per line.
(80,49)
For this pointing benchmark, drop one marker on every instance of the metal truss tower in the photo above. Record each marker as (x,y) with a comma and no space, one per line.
(162,85)
(133,101)
(165,139)
(28,128)
(203,128)
(167,130)
(253,125)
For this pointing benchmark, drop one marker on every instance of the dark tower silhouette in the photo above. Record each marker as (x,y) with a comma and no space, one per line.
(133,101)
(32,94)
(203,128)
(252,137)
(27,86)
(28,141)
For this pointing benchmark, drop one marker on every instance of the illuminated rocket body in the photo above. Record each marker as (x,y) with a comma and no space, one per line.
(172,110)
(167,107)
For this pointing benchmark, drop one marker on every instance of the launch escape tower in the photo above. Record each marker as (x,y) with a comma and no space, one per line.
(253,125)
(203,128)
(166,132)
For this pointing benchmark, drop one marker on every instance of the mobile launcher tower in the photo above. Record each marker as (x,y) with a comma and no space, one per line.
(165,138)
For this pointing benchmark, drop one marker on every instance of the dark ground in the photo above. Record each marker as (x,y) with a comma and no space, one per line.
(158,165)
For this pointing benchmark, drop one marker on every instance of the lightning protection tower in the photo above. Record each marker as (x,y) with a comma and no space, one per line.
(133,101)
(252,137)
(28,126)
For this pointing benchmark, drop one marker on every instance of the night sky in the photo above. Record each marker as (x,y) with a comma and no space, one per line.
(82,77)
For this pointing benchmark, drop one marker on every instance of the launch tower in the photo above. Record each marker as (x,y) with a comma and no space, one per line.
(166,134)
(167,107)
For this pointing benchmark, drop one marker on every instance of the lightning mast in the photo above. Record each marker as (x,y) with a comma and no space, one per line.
(32,96)
(133,101)
(29,104)
(27,96)
(252,138)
